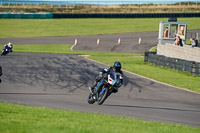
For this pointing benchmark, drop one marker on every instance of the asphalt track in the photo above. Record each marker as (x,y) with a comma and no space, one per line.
(109,43)
(61,81)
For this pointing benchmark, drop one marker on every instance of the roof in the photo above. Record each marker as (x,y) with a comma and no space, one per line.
(166,22)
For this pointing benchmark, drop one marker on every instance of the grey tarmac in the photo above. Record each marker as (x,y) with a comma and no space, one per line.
(129,42)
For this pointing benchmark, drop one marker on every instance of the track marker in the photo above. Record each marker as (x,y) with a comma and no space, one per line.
(98,41)
(76,42)
(119,41)
(140,40)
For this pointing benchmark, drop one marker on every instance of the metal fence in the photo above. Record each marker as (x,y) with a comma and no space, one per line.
(99,15)
(173,63)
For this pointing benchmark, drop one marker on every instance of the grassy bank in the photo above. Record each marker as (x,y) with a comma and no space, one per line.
(12,28)
(24,119)
(131,62)
(101,8)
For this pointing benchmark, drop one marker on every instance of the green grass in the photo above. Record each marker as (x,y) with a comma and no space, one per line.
(131,62)
(12,28)
(154,49)
(42,48)
(27,119)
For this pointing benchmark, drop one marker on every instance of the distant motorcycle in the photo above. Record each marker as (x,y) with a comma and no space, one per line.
(7,48)
(104,88)
(4,52)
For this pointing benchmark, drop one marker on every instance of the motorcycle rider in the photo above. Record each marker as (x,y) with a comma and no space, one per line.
(5,47)
(5,50)
(10,46)
(116,68)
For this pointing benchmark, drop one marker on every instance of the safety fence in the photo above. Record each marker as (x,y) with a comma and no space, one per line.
(173,63)
(26,15)
(124,15)
(95,15)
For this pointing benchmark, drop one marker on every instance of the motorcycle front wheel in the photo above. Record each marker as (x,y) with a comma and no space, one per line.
(102,95)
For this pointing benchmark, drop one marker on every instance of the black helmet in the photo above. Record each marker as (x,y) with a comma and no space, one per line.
(117,66)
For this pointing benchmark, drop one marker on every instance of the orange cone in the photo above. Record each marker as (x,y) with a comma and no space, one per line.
(119,41)
(76,42)
(140,41)
(98,41)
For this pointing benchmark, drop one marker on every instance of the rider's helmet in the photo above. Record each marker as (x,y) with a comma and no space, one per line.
(117,66)
(9,44)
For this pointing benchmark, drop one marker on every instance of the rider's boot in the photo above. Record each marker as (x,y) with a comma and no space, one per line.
(91,89)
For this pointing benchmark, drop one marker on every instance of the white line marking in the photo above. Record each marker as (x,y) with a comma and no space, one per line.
(72,47)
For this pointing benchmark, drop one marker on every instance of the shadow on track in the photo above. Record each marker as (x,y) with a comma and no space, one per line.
(55,71)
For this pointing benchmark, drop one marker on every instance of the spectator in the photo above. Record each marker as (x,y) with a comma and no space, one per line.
(166,32)
(197,43)
(178,41)
(10,46)
(193,43)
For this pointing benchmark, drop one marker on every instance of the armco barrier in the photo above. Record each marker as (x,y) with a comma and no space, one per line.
(173,63)
(94,15)
(124,15)
(26,15)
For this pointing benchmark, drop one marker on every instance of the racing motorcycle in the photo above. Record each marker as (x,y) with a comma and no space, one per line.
(4,52)
(103,88)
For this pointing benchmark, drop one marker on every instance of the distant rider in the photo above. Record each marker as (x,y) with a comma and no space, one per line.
(10,46)
(116,68)
(5,47)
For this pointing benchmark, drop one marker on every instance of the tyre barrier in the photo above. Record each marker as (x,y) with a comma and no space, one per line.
(174,63)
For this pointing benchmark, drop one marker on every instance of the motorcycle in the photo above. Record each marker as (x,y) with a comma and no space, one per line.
(103,89)
(4,52)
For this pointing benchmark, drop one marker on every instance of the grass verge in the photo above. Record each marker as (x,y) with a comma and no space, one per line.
(12,28)
(85,8)
(131,62)
(27,119)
